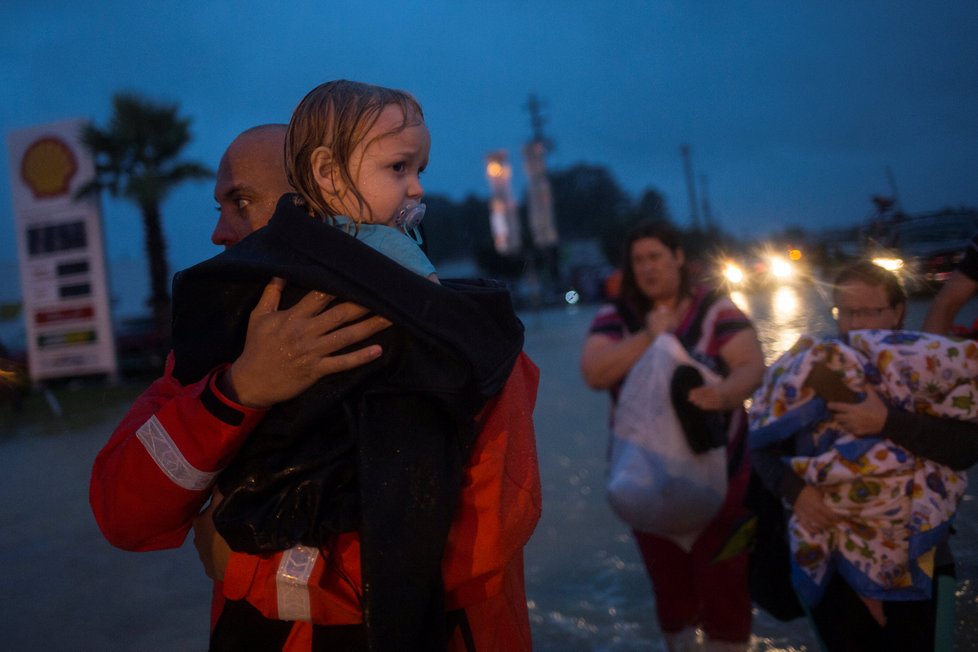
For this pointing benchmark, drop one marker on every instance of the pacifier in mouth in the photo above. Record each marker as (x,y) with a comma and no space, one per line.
(408,217)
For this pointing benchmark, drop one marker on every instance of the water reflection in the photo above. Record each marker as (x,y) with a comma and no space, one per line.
(783,313)
(786,320)
(740,300)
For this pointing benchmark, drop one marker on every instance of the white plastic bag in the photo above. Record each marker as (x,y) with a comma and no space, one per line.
(656,483)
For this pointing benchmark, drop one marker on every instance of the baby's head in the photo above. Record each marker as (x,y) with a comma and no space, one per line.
(355,149)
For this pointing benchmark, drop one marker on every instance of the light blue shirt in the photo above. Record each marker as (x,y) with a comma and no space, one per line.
(392,242)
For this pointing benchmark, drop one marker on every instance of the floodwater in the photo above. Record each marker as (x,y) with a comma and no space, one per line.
(62,587)
(586,585)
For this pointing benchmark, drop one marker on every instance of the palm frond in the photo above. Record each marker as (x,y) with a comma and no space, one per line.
(137,156)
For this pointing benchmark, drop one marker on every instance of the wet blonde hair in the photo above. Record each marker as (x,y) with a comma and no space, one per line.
(338,115)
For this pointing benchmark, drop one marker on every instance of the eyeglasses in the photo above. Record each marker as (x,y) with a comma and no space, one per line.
(856,313)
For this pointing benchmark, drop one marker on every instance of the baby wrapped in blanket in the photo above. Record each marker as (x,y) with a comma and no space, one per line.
(895,506)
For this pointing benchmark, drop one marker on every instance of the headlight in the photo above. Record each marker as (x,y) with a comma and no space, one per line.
(733,273)
(780,268)
(889,264)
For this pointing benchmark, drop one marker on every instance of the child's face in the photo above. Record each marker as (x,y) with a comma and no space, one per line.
(386,169)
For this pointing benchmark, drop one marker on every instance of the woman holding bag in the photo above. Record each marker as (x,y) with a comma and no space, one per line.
(698,587)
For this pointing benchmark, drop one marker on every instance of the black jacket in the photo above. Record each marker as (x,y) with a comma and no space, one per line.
(379,449)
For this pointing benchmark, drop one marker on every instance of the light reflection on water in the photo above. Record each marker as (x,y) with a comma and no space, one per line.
(586,585)
(783,314)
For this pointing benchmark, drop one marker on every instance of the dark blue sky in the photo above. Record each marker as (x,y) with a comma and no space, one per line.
(793,110)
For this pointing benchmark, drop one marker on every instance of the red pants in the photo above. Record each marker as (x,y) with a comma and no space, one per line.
(693,591)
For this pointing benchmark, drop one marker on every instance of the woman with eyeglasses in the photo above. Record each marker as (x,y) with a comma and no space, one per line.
(870,297)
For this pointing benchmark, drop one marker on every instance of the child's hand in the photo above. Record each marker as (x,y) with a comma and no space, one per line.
(861,419)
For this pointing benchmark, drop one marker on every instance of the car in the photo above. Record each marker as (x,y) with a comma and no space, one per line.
(763,269)
(14,381)
(924,250)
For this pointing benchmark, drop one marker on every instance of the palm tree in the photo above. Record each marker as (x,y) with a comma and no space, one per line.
(137,157)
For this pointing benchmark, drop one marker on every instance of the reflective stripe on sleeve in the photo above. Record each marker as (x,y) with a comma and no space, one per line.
(168,457)
(292,583)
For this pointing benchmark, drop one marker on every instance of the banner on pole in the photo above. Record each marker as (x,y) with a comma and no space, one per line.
(503,216)
(541,204)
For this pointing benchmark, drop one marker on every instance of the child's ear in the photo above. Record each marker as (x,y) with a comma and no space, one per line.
(321,160)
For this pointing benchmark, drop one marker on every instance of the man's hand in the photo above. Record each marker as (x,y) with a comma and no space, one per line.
(812,512)
(863,419)
(286,351)
(212,549)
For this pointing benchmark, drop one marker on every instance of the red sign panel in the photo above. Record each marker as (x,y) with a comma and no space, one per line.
(63,314)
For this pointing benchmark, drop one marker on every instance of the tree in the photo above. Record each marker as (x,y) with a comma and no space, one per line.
(650,206)
(456,229)
(585,198)
(137,157)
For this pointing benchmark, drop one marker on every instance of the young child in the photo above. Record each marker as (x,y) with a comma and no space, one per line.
(361,475)
(355,153)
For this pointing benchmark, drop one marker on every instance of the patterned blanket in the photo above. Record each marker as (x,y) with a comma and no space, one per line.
(896,507)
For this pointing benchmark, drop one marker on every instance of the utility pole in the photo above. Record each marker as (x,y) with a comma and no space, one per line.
(707,210)
(893,189)
(690,186)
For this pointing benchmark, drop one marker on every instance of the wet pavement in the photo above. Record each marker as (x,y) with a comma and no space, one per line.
(62,587)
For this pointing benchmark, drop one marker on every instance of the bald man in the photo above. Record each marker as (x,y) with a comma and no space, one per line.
(151,480)
(286,352)
(250,179)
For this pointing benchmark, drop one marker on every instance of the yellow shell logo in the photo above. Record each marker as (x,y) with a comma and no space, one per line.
(47,167)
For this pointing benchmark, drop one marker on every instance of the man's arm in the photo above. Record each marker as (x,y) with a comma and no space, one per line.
(154,474)
(948,302)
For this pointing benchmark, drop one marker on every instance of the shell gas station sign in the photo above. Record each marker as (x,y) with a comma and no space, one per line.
(61,254)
